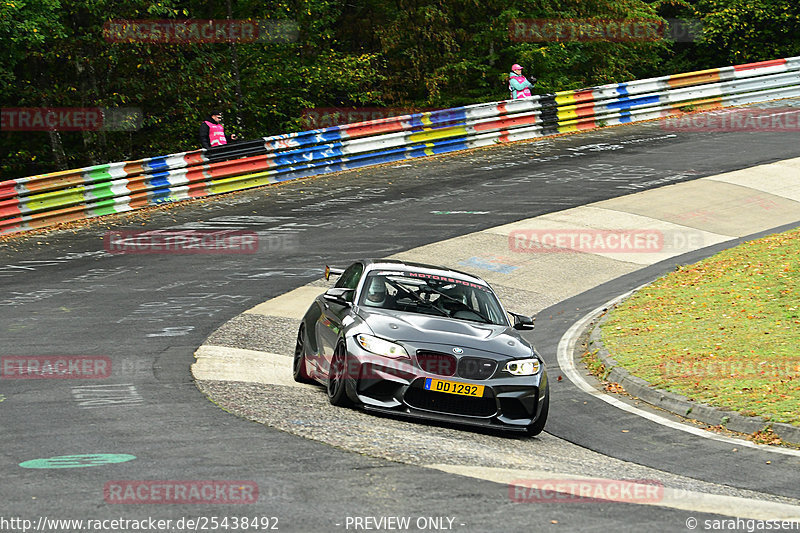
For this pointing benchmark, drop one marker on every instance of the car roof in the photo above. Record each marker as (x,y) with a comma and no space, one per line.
(372,264)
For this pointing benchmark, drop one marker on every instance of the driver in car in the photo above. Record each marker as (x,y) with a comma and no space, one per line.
(453,298)
(377,295)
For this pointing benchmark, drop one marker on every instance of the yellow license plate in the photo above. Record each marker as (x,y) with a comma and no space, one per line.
(453,387)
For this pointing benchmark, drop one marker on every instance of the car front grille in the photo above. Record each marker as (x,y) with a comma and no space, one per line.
(441,364)
(476,368)
(450,403)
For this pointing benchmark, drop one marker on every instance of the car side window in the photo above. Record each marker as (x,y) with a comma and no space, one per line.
(350,278)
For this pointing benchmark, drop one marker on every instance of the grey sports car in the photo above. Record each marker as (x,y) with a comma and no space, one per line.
(422,341)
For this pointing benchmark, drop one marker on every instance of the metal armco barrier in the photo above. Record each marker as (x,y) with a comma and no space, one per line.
(48,199)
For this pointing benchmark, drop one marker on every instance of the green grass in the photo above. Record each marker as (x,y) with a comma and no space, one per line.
(725,331)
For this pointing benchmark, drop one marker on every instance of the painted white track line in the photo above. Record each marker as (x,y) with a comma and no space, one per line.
(566,347)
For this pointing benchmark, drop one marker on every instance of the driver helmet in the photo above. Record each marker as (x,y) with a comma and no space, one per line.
(376,293)
(455,292)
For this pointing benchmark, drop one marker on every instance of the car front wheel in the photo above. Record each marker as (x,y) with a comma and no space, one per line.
(299,364)
(538,425)
(337,376)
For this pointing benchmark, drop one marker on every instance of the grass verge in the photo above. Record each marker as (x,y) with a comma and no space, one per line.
(725,331)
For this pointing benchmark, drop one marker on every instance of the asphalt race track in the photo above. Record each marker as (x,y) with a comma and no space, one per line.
(144,315)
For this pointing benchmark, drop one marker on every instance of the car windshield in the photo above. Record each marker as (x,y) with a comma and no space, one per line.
(427,294)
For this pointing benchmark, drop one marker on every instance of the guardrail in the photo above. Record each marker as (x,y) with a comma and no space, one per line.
(49,199)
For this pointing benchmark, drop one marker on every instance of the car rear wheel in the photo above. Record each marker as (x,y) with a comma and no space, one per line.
(337,375)
(299,364)
(538,425)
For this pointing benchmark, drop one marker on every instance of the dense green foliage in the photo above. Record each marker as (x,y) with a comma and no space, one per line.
(372,53)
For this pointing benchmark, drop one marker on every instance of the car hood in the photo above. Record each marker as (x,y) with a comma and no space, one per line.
(425,329)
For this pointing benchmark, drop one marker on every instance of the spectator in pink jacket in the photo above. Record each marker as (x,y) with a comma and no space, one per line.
(519,86)
(212,133)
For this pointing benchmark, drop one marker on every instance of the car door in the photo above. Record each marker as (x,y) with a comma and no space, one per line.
(329,325)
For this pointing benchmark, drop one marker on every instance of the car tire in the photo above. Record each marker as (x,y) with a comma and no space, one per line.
(299,364)
(538,425)
(337,378)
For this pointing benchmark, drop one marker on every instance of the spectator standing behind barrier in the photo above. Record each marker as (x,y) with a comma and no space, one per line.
(519,86)
(212,132)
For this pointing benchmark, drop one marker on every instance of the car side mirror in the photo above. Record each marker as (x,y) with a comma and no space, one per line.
(339,295)
(522,322)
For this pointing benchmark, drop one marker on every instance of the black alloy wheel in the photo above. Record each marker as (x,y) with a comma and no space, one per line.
(337,376)
(538,425)
(299,364)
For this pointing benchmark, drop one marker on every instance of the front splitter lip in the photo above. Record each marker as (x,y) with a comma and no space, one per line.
(430,416)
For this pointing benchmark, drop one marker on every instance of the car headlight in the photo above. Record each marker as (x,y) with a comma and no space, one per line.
(523,367)
(380,346)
